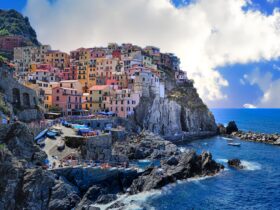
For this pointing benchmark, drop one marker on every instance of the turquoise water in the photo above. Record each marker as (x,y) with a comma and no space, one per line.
(256,187)
(77,126)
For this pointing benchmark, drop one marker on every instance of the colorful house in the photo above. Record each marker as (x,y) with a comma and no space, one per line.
(122,102)
(57,59)
(97,96)
(69,100)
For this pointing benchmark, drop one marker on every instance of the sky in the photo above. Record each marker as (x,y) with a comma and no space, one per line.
(230,48)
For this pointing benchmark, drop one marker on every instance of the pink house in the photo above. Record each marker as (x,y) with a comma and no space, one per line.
(68,99)
(122,102)
(69,73)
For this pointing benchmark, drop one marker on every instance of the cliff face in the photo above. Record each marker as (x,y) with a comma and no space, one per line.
(13,23)
(23,184)
(180,112)
(18,99)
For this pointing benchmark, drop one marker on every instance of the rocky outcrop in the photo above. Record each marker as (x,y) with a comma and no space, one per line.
(235,163)
(231,127)
(182,111)
(24,184)
(258,137)
(146,145)
(189,165)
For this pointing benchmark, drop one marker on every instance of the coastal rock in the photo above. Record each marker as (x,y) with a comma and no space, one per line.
(24,185)
(190,165)
(277,142)
(257,137)
(182,111)
(19,141)
(221,129)
(104,199)
(231,127)
(90,197)
(235,163)
(147,145)
(172,161)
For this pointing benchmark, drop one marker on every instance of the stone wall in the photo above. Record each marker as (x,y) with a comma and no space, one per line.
(97,148)
(23,99)
(16,93)
(118,134)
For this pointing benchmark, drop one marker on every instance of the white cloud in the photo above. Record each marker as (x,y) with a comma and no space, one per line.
(249,106)
(269,86)
(276,67)
(204,34)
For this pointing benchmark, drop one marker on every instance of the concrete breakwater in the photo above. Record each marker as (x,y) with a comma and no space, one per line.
(257,137)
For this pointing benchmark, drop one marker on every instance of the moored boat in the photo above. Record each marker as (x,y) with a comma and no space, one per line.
(41,135)
(234,144)
(51,134)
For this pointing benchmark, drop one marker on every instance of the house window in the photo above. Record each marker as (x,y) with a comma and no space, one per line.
(57,90)
(57,98)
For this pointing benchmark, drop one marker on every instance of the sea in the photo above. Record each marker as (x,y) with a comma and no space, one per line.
(255,187)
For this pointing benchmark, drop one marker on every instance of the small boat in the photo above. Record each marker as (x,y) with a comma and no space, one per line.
(41,135)
(234,144)
(51,134)
(55,131)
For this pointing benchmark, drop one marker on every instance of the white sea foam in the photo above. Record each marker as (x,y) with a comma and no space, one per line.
(139,201)
(251,166)
(133,202)
(182,149)
(221,160)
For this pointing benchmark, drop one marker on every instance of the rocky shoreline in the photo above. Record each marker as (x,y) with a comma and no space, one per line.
(25,183)
(257,137)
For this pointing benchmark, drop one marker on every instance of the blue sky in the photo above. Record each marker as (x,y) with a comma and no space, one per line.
(245,85)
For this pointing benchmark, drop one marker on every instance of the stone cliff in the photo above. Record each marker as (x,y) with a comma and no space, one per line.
(23,183)
(22,101)
(180,113)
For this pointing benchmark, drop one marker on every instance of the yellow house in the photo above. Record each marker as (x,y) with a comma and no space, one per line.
(57,59)
(83,65)
(97,96)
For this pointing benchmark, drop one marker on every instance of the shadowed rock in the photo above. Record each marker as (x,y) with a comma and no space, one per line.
(235,163)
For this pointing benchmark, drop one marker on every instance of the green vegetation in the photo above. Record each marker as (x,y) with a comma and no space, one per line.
(55,109)
(2,59)
(186,95)
(4,32)
(3,107)
(13,23)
